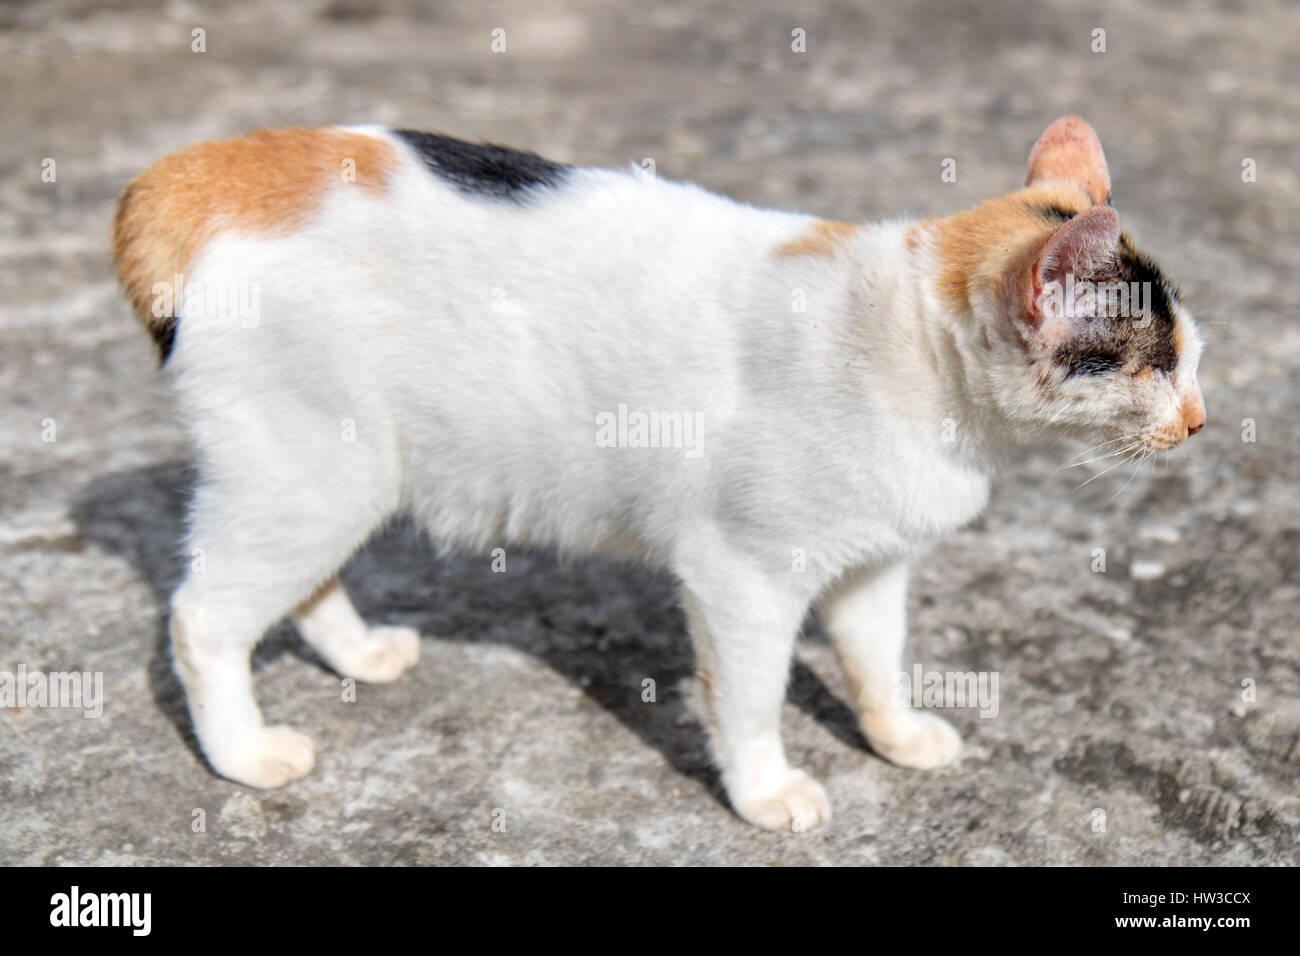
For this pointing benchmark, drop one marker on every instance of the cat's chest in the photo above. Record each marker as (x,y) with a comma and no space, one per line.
(941,500)
(901,505)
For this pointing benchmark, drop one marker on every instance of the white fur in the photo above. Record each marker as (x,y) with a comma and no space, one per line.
(472,344)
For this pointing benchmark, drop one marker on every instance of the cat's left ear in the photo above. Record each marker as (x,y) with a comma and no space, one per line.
(1069,151)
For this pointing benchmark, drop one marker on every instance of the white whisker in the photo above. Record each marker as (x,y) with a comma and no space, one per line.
(1100,473)
(1111,454)
(1136,469)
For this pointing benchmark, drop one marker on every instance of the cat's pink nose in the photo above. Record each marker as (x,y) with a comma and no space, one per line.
(1194,413)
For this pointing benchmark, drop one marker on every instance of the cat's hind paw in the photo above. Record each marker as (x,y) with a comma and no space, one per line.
(386,654)
(913,739)
(274,757)
(796,803)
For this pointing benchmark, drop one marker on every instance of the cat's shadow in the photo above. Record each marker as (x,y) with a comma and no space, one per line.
(604,626)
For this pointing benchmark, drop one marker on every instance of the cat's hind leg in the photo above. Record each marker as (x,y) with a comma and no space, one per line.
(265,542)
(866,618)
(330,624)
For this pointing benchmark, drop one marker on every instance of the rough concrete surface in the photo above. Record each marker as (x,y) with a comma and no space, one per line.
(1122,735)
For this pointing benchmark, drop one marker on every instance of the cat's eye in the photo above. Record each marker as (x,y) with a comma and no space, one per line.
(1098,363)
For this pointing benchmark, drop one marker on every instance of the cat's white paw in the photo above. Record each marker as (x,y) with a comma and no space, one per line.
(912,738)
(797,803)
(274,757)
(386,654)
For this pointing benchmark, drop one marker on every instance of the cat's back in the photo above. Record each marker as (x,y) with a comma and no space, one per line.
(397,219)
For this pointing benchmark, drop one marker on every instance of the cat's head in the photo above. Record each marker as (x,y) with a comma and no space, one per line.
(1078,332)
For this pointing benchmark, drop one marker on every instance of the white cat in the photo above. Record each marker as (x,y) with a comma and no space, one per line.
(781,411)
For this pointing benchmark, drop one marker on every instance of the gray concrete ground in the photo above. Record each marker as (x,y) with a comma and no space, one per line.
(1122,734)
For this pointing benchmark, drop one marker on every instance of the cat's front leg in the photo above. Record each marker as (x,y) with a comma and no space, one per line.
(744,632)
(866,617)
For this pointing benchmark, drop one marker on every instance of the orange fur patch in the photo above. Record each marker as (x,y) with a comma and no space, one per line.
(984,245)
(821,241)
(271,181)
(914,235)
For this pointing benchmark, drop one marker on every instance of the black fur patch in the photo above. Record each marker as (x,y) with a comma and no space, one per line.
(482,169)
(164,336)
(1054,212)
(1092,363)
(1134,342)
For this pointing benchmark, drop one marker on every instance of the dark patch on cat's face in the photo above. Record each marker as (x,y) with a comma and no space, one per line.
(1054,213)
(1135,343)
(1093,363)
(482,169)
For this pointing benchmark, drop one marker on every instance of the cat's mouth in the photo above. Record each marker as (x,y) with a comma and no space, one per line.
(1134,446)
(1142,442)
(1176,432)
(1164,441)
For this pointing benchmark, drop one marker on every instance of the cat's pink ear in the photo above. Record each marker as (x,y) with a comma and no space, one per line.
(1070,151)
(1082,248)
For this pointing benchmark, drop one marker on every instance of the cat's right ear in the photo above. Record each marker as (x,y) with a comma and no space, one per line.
(1069,151)
(1080,249)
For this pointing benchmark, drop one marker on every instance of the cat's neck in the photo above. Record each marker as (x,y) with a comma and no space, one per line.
(931,359)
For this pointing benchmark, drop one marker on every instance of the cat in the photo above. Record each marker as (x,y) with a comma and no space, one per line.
(784,412)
